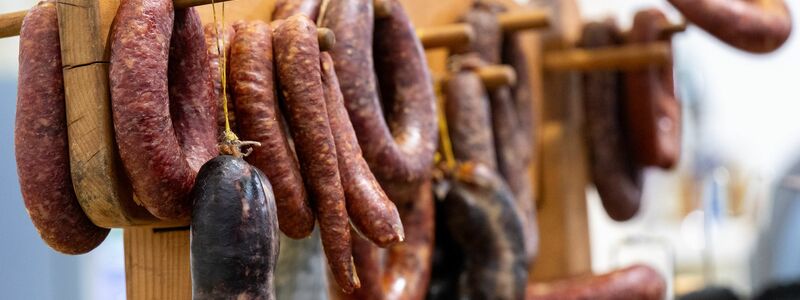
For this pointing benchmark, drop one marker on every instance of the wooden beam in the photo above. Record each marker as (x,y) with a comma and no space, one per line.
(157,264)
(617,58)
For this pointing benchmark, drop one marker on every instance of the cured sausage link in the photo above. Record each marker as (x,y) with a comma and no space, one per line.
(193,107)
(402,149)
(260,120)
(758,26)
(159,172)
(613,168)
(371,211)
(635,282)
(469,120)
(288,8)
(297,55)
(40,139)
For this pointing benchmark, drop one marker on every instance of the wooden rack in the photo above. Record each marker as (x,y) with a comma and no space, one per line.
(157,253)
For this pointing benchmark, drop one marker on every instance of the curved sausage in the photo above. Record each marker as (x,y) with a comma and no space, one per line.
(758,26)
(159,172)
(635,282)
(469,120)
(226,34)
(193,107)
(297,56)
(234,243)
(613,168)
(260,120)
(40,139)
(653,111)
(371,211)
(403,148)
(482,219)
(287,8)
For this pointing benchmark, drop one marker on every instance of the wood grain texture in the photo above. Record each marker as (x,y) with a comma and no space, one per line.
(10,23)
(157,264)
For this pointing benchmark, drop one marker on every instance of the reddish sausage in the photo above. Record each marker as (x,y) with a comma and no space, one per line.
(297,55)
(613,168)
(193,107)
(226,34)
(371,211)
(287,8)
(40,139)
(636,282)
(654,113)
(260,120)
(160,174)
(403,148)
(757,26)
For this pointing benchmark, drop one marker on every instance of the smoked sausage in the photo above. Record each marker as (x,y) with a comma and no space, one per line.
(757,26)
(653,111)
(235,242)
(469,120)
(635,282)
(260,120)
(226,34)
(403,148)
(370,210)
(297,56)
(614,170)
(40,139)
(287,8)
(148,145)
(192,105)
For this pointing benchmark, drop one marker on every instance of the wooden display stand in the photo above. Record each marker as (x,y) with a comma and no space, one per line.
(157,253)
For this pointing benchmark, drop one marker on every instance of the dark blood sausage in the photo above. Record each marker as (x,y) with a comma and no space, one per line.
(148,145)
(40,139)
(469,120)
(260,120)
(371,211)
(511,142)
(297,55)
(635,282)
(226,34)
(758,26)
(481,218)
(235,243)
(448,257)
(614,170)
(193,107)
(654,113)
(403,148)
(403,270)
(287,8)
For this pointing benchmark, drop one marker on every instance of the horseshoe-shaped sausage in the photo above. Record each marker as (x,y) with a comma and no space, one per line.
(402,149)
(758,26)
(614,170)
(653,111)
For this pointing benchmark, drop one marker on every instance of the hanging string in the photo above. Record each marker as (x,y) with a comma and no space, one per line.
(228,135)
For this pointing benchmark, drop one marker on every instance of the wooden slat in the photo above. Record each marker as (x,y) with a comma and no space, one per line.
(10,23)
(625,57)
(157,264)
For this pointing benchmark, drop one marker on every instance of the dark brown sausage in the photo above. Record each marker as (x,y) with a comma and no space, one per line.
(287,8)
(758,26)
(469,120)
(614,170)
(403,148)
(297,55)
(490,36)
(193,107)
(370,210)
(235,241)
(226,34)
(522,92)
(159,172)
(482,218)
(260,120)
(635,282)
(653,111)
(40,139)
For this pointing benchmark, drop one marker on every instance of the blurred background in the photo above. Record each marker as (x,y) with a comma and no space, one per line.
(728,216)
